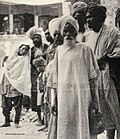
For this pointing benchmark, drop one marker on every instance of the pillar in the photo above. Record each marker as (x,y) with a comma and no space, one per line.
(11,22)
(66,8)
(36,21)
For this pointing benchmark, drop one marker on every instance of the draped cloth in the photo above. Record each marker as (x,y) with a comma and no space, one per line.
(49,73)
(106,43)
(17,72)
(73,68)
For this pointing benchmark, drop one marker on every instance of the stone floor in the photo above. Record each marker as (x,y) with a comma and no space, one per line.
(28,130)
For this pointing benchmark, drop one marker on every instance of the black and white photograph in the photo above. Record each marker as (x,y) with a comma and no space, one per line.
(59,69)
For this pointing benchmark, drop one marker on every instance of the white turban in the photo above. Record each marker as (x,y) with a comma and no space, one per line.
(34,30)
(70,20)
(53,26)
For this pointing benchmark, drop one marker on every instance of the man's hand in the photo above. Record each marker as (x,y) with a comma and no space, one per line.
(95,106)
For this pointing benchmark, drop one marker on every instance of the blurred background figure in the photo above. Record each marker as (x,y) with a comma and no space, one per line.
(79,13)
(50,49)
(6,24)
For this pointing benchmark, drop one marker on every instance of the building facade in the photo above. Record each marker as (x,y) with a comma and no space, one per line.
(18,18)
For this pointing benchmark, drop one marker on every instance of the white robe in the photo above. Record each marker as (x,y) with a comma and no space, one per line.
(73,70)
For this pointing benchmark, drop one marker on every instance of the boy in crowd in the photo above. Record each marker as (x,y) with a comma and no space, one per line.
(40,63)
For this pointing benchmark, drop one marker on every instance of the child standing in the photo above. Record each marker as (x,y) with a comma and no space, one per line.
(39,63)
(11,96)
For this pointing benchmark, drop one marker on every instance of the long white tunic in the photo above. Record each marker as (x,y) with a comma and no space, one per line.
(74,68)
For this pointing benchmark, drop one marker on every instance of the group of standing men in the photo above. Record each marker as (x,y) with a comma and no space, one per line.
(103,78)
(75,72)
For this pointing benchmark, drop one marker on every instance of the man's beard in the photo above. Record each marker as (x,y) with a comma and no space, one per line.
(95,27)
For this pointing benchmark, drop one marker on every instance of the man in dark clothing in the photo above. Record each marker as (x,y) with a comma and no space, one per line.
(104,41)
(38,50)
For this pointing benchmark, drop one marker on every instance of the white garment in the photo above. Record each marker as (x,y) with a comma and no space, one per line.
(73,69)
(92,40)
(17,71)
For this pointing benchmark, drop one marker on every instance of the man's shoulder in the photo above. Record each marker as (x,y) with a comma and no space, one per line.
(111,30)
(59,47)
(82,45)
(85,49)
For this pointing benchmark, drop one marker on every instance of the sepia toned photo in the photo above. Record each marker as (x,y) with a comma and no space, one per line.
(59,69)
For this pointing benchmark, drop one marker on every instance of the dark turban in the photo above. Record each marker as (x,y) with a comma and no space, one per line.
(97,11)
(79,7)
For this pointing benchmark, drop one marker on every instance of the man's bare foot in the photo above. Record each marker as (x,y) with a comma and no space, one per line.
(39,124)
(45,130)
(17,126)
(42,128)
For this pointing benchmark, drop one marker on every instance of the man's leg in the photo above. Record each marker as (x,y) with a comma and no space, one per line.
(46,117)
(110,134)
(18,107)
(6,111)
(45,127)
(34,100)
(93,137)
(40,123)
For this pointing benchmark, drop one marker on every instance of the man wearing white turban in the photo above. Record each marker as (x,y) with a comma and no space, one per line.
(54,31)
(54,36)
(38,50)
(75,69)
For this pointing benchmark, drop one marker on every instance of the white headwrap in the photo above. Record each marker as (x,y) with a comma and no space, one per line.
(53,26)
(68,19)
(34,30)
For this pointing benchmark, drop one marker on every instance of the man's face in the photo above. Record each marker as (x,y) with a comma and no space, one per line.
(69,32)
(93,22)
(80,17)
(58,39)
(37,40)
(23,50)
(48,37)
